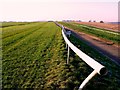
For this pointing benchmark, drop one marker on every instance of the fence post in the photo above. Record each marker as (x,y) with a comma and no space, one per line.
(87,79)
(68,55)
(66,45)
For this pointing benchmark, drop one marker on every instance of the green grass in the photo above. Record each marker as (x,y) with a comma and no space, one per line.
(102,33)
(34,56)
(8,24)
(25,61)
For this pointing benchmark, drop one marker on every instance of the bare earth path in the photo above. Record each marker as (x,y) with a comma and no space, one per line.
(107,26)
(106,48)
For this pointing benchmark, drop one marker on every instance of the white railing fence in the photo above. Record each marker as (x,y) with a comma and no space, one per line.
(98,68)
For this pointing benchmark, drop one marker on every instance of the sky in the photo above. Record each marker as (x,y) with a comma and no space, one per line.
(39,10)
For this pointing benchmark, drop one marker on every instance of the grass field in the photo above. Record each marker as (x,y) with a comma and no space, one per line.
(7,24)
(34,56)
(28,53)
(102,33)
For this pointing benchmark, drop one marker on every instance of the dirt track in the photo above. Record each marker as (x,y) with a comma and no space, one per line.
(108,26)
(109,50)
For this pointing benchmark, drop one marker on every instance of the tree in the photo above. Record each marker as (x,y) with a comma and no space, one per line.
(89,20)
(101,22)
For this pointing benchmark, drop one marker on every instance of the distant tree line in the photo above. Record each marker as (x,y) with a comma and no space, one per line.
(95,21)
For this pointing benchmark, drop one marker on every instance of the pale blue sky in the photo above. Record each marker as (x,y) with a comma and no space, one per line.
(30,10)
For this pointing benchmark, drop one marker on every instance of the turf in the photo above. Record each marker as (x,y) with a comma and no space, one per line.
(34,56)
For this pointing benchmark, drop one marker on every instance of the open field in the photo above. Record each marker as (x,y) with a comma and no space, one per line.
(34,56)
(101,25)
(31,55)
(7,24)
(101,33)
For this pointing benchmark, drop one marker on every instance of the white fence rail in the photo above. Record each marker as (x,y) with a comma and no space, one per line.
(98,68)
